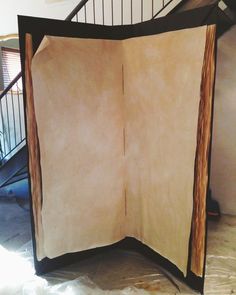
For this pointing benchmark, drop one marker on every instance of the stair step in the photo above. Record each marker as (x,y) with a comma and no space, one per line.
(14,167)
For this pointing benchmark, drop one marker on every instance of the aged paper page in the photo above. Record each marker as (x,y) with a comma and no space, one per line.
(162,76)
(79,112)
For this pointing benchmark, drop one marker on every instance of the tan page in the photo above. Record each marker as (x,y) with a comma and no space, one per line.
(79,110)
(162,77)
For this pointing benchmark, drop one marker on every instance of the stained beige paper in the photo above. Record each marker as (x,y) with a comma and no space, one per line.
(79,111)
(117,127)
(162,95)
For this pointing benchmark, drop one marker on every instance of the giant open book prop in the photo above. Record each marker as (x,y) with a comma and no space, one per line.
(118,135)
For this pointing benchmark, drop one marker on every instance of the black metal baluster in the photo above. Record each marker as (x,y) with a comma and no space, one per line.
(152,8)
(81,4)
(19,111)
(3,131)
(13,114)
(8,124)
(131,11)
(163,3)
(77,17)
(103,16)
(85,14)
(112,15)
(94,15)
(122,9)
(142,10)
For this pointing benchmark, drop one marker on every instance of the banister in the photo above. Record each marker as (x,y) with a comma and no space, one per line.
(164,5)
(12,83)
(76,10)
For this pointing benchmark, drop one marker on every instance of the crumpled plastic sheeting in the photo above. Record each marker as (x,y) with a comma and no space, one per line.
(221,257)
(112,273)
(119,272)
(119,269)
(81,286)
(16,271)
(17,277)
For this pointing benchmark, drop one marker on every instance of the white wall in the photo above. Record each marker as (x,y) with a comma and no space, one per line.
(42,8)
(223,171)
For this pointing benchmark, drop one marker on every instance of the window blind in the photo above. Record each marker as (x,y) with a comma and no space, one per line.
(11,66)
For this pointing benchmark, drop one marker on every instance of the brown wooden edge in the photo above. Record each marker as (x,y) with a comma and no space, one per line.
(33,147)
(201,174)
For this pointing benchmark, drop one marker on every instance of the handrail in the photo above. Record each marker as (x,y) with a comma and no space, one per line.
(5,91)
(163,7)
(76,10)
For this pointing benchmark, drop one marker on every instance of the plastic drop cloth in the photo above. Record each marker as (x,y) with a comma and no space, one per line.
(122,272)
(221,257)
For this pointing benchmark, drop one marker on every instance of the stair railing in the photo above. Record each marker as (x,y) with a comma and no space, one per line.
(12,123)
(88,11)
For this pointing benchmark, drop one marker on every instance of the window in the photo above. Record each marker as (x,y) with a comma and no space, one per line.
(11,66)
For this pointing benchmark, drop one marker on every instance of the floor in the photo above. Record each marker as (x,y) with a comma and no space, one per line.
(14,223)
(119,271)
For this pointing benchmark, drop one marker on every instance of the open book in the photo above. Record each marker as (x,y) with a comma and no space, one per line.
(118,137)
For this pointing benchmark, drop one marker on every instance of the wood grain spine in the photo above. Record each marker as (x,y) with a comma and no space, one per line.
(202,154)
(33,148)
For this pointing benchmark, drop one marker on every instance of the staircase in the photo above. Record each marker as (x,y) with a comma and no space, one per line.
(13,150)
